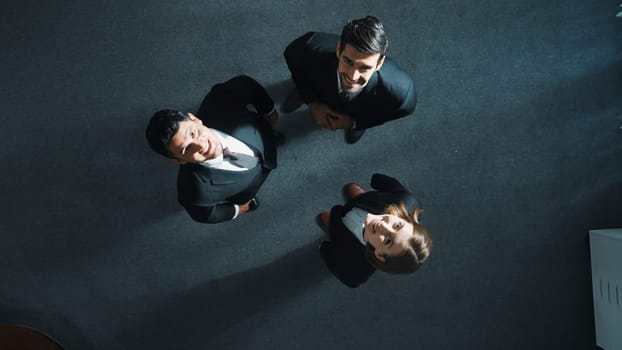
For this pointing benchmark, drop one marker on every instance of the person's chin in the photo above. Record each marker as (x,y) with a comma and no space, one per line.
(207,157)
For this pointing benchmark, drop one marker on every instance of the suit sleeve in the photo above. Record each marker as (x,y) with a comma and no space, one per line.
(399,99)
(386,183)
(408,101)
(211,214)
(335,264)
(240,92)
(298,57)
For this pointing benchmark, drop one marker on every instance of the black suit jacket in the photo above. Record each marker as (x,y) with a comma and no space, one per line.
(389,94)
(345,255)
(208,194)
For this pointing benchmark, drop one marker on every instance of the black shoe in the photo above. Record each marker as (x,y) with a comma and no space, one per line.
(352,190)
(320,223)
(279,138)
(253,205)
(292,101)
(353,135)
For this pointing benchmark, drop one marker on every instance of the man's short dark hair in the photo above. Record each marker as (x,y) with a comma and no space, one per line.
(366,35)
(161,128)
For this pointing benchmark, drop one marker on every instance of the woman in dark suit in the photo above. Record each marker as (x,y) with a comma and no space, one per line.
(374,230)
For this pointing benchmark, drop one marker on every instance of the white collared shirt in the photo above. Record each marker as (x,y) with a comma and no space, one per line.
(235,145)
(354,220)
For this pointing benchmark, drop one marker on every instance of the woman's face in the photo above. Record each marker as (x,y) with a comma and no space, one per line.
(194,142)
(388,234)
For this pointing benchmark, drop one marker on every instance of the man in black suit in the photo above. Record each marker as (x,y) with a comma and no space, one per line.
(374,230)
(221,167)
(353,88)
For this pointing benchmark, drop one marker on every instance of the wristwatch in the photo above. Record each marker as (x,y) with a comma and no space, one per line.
(253,204)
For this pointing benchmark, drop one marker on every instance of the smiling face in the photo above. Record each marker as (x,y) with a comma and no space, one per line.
(388,234)
(194,142)
(356,67)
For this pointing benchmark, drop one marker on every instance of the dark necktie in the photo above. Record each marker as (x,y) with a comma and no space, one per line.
(240,159)
(345,97)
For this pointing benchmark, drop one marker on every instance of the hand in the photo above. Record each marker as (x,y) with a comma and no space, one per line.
(327,118)
(243,208)
(339,120)
(272,118)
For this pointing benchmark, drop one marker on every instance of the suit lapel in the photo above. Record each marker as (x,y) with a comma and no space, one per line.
(368,90)
(215,176)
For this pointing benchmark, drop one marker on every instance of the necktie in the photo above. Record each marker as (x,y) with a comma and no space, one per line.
(240,159)
(345,96)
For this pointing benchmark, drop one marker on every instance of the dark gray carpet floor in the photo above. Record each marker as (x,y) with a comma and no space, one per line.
(515,150)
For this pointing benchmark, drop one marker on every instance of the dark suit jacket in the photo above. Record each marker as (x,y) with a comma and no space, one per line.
(208,194)
(345,256)
(389,94)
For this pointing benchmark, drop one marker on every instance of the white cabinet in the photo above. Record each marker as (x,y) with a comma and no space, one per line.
(606,256)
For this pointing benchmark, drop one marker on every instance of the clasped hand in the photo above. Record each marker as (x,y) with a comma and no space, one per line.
(328,118)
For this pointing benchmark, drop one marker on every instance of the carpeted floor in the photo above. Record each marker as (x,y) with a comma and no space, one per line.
(515,150)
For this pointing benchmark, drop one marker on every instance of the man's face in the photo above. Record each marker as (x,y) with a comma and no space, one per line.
(356,67)
(194,142)
(388,234)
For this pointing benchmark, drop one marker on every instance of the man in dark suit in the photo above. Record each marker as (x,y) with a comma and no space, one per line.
(374,230)
(221,167)
(348,82)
